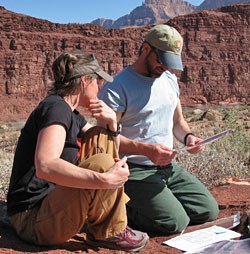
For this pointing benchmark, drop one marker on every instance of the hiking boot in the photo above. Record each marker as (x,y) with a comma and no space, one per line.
(128,239)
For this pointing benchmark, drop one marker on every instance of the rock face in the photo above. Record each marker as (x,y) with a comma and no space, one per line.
(150,12)
(211,4)
(155,11)
(216,55)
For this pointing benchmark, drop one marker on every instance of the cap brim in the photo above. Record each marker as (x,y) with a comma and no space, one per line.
(105,75)
(170,60)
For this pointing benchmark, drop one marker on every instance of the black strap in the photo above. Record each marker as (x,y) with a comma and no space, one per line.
(186,136)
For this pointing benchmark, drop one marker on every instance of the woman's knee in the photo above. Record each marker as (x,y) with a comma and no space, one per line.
(95,141)
(100,162)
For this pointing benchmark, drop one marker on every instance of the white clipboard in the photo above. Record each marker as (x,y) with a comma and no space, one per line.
(205,141)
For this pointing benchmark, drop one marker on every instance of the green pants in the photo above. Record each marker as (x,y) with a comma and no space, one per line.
(166,200)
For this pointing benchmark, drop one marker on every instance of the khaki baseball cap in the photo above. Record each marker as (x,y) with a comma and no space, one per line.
(168,43)
(81,64)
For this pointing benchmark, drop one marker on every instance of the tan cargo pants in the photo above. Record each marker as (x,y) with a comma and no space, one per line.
(64,211)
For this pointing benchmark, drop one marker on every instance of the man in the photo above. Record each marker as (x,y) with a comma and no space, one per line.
(164,198)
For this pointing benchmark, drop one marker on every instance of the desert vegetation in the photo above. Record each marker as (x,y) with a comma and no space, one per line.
(227,157)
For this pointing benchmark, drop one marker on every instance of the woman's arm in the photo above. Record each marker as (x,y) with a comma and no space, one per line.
(105,116)
(51,167)
(86,127)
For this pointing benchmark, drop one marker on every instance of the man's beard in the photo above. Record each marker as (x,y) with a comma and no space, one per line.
(152,71)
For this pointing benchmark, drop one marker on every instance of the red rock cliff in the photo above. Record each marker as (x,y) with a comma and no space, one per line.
(216,55)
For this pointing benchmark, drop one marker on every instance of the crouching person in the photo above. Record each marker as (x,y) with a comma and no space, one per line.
(54,190)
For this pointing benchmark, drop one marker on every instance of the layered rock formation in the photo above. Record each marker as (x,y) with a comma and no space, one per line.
(155,11)
(216,55)
(150,12)
(211,4)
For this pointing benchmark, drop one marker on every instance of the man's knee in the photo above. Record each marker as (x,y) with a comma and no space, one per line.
(212,211)
(175,223)
(168,224)
(204,213)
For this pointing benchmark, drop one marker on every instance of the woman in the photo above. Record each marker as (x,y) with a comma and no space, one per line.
(53,189)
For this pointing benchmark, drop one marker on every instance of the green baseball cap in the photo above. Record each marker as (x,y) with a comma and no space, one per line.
(168,43)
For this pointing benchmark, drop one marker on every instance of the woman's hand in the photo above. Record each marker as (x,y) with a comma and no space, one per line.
(103,112)
(117,175)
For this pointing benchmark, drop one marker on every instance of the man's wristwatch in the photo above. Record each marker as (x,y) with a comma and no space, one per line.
(114,133)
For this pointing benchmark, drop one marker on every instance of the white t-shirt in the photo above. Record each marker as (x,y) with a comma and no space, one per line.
(148,106)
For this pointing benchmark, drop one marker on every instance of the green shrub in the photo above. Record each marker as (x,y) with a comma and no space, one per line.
(227,157)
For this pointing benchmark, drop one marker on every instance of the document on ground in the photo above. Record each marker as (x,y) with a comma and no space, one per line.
(201,238)
(225,247)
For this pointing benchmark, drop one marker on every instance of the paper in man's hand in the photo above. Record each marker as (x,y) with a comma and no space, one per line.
(205,141)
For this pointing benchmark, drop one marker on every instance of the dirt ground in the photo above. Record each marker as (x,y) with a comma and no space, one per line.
(232,198)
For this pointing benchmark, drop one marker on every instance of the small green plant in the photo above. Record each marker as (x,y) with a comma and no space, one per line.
(227,157)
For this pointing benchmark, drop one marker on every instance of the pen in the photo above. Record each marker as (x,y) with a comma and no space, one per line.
(182,231)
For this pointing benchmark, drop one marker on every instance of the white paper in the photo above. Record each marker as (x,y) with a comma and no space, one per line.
(205,141)
(201,238)
(225,247)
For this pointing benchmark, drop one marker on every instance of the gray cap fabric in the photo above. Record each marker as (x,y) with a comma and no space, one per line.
(91,67)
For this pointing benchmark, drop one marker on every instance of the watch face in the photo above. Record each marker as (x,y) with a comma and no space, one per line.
(119,128)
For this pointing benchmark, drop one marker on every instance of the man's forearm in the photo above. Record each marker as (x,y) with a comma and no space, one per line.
(129,146)
(180,130)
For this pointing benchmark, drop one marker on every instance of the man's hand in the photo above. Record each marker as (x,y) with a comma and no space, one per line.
(193,140)
(160,155)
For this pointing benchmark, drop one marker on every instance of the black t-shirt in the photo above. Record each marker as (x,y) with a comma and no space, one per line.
(25,189)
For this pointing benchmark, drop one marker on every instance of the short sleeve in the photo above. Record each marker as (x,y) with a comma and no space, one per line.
(53,112)
(113,95)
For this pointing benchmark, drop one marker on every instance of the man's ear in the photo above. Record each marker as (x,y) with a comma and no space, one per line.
(146,47)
